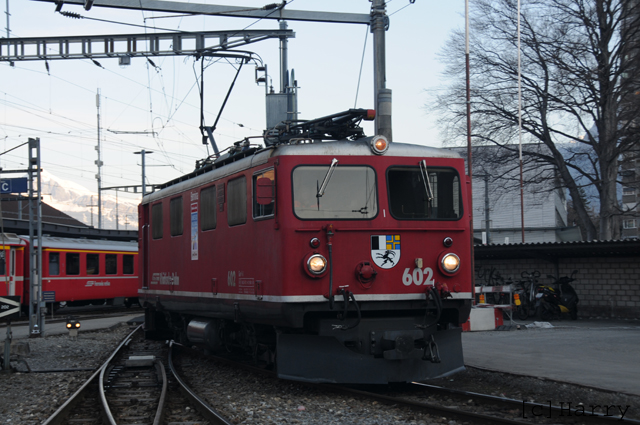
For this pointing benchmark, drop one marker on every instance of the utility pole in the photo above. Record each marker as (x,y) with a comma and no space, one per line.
(382,95)
(142,153)
(98,162)
(92,205)
(116,209)
(8,14)
(487,208)
(36,314)
(469,153)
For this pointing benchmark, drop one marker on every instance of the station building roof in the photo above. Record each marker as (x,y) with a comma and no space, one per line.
(553,250)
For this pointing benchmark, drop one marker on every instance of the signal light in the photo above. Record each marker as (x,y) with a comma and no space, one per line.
(516,298)
(73,324)
(379,145)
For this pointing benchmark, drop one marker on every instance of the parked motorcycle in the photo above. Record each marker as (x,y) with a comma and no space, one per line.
(524,292)
(557,299)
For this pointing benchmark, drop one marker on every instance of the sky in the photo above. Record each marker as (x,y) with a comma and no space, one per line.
(162,104)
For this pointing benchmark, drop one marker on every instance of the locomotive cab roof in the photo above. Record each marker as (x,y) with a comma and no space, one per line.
(256,157)
(337,134)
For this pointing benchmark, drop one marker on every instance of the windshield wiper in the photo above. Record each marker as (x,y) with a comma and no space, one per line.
(327,177)
(363,210)
(425,179)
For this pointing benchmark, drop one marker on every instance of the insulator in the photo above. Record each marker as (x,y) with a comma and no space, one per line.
(72,15)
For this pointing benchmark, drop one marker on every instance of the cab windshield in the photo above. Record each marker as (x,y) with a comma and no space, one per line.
(350,192)
(411,196)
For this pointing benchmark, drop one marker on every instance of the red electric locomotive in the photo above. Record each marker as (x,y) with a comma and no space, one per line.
(74,271)
(345,261)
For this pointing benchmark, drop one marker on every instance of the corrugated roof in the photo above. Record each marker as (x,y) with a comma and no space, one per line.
(617,248)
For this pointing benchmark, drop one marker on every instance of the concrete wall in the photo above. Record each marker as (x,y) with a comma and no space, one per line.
(606,286)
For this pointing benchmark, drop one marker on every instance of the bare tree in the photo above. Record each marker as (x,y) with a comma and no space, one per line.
(576,55)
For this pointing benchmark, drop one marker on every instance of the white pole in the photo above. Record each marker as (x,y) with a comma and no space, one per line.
(99,164)
(520,127)
(8,14)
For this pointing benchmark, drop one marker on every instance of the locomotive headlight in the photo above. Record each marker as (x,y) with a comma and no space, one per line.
(450,263)
(379,145)
(317,264)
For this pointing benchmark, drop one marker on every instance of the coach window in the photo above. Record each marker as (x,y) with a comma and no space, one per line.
(111,263)
(54,263)
(156,221)
(175,216)
(127,264)
(411,197)
(208,216)
(73,263)
(264,194)
(237,201)
(93,263)
(3,262)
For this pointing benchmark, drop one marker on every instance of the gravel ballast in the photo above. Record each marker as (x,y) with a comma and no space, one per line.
(30,398)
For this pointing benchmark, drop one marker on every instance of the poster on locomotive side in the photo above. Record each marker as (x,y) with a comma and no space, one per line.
(194,230)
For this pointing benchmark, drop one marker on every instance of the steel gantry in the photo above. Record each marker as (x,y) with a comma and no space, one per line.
(377,19)
(126,46)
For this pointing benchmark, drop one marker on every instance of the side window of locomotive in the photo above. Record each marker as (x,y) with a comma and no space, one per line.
(127,264)
(264,192)
(73,263)
(93,263)
(237,201)
(175,216)
(156,221)
(54,263)
(350,193)
(411,197)
(111,263)
(208,216)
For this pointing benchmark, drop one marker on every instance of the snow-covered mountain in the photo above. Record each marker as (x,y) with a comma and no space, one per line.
(75,200)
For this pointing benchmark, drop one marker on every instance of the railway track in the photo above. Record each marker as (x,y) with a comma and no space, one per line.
(526,409)
(83,313)
(426,402)
(483,408)
(141,384)
(137,384)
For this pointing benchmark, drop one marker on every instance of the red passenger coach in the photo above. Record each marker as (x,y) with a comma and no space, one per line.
(85,271)
(74,271)
(12,257)
(344,261)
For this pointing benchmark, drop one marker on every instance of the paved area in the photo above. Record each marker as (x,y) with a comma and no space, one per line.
(594,352)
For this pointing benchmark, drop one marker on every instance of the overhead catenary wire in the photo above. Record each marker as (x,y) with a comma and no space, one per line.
(146,27)
(82,129)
